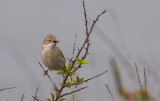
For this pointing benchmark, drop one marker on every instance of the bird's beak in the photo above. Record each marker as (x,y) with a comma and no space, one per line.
(56,41)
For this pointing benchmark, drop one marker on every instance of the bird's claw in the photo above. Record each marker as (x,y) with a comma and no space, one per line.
(45,72)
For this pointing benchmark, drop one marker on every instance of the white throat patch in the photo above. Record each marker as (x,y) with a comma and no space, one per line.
(47,46)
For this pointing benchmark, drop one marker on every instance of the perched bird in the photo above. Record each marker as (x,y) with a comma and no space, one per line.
(51,55)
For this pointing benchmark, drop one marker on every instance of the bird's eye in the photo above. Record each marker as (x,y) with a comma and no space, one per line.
(49,40)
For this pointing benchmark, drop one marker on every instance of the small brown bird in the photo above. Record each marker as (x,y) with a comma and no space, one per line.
(51,55)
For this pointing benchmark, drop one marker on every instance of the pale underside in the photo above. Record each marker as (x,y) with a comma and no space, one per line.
(52,57)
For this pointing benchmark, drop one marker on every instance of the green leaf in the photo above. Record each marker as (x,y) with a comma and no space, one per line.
(77,59)
(48,99)
(67,84)
(82,61)
(79,80)
(60,73)
(62,99)
(52,96)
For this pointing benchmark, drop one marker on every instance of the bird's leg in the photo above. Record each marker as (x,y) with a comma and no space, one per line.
(45,72)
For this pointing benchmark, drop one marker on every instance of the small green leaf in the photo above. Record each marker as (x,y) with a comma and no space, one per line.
(48,99)
(79,80)
(60,73)
(77,59)
(82,61)
(52,96)
(62,99)
(67,84)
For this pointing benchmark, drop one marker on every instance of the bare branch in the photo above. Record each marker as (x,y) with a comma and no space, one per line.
(6,88)
(95,76)
(35,98)
(138,76)
(145,78)
(22,97)
(74,47)
(92,77)
(110,92)
(85,16)
(54,85)
(87,41)
(37,91)
(73,91)
(94,21)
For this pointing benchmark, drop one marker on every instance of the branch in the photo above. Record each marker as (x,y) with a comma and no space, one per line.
(85,16)
(35,96)
(54,85)
(74,46)
(145,78)
(138,76)
(87,40)
(6,88)
(110,92)
(94,21)
(73,91)
(92,77)
(96,76)
(22,97)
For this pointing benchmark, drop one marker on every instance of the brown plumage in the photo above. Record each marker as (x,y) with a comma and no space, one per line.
(51,55)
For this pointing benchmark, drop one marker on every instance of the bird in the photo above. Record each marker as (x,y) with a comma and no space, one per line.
(51,55)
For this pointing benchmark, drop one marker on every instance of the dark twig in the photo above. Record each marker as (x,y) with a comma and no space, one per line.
(85,17)
(145,78)
(94,21)
(6,88)
(54,85)
(73,91)
(92,77)
(22,97)
(95,76)
(138,76)
(74,47)
(37,91)
(110,92)
(35,98)
(87,41)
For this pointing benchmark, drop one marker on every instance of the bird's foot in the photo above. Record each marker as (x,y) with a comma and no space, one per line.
(45,72)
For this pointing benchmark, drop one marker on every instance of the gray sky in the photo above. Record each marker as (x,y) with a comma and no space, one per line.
(129,31)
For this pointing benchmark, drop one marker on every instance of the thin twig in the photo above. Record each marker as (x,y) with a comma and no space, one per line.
(54,85)
(74,47)
(37,91)
(35,98)
(138,76)
(85,17)
(110,92)
(95,76)
(87,40)
(6,88)
(145,78)
(91,77)
(22,97)
(94,21)
(73,91)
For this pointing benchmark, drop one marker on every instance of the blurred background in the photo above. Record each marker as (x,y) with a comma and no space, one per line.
(129,32)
